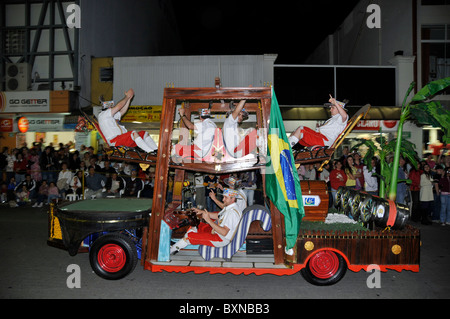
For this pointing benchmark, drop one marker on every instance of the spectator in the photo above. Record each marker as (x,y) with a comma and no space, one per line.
(402,188)
(107,169)
(350,171)
(430,161)
(426,195)
(114,185)
(42,194)
(444,190)
(338,178)
(74,162)
(53,193)
(94,183)
(93,162)
(87,159)
(84,168)
(249,185)
(20,168)
(370,179)
(64,178)
(22,195)
(33,164)
(210,182)
(133,184)
(76,184)
(10,194)
(437,175)
(301,171)
(30,186)
(47,164)
(359,173)
(414,187)
(3,192)
(11,158)
(310,173)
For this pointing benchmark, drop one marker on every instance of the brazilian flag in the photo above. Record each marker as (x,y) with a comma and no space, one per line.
(282,181)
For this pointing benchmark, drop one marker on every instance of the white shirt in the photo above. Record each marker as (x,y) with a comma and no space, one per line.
(332,128)
(230,216)
(205,131)
(109,126)
(65,174)
(370,181)
(241,200)
(231,133)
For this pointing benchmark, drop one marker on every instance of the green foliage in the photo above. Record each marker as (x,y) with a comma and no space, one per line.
(424,111)
(430,112)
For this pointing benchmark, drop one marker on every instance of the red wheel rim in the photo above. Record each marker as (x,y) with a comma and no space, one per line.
(324,264)
(111,258)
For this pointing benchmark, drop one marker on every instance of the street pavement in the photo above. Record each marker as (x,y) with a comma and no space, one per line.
(31,269)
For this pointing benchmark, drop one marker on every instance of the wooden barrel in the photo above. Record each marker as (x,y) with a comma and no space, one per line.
(315,200)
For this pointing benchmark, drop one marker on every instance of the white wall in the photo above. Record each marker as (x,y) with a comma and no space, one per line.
(148,76)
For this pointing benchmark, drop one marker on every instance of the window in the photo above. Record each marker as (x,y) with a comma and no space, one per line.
(435,53)
(435,2)
(106,74)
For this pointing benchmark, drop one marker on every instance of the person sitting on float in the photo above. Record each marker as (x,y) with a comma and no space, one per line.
(204,128)
(116,134)
(238,142)
(217,229)
(232,183)
(327,133)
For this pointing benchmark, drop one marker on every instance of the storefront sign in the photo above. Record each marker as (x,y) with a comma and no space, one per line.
(25,101)
(6,125)
(23,124)
(143,113)
(375,125)
(45,124)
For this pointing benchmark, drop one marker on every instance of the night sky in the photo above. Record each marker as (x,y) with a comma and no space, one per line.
(291,29)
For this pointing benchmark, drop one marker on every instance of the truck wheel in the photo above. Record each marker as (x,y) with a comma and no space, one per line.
(324,268)
(113,256)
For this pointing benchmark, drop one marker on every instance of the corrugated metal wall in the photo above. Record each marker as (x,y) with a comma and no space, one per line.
(149,75)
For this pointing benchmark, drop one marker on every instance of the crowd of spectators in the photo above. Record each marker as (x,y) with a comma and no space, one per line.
(428,191)
(39,175)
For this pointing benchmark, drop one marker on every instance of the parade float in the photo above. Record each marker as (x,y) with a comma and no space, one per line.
(281,236)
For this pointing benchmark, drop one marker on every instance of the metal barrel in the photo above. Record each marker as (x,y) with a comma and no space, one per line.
(391,214)
(347,200)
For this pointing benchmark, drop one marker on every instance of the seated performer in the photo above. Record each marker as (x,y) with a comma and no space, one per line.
(204,128)
(232,135)
(218,229)
(116,134)
(326,134)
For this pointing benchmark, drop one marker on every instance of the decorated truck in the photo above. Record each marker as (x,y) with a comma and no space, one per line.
(119,232)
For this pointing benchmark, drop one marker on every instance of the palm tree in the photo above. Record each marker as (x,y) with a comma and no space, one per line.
(424,111)
(421,106)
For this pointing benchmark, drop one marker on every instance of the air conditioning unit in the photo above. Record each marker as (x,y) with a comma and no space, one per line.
(18,76)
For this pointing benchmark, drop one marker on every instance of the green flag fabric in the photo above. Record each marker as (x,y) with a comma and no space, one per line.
(282,181)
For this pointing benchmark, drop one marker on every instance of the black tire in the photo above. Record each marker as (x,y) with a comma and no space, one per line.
(324,268)
(113,256)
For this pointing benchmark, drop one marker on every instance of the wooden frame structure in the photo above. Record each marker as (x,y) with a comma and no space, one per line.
(258,101)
